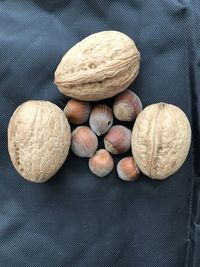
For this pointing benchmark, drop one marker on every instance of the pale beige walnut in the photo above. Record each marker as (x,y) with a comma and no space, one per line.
(161,140)
(98,67)
(39,138)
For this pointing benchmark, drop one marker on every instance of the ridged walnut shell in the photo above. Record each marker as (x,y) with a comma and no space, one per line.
(98,67)
(39,138)
(161,140)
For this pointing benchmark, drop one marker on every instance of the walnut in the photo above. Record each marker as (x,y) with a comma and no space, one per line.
(98,67)
(39,138)
(161,140)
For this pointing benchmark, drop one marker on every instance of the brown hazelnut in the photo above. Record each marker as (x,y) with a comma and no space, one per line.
(84,142)
(118,140)
(127,169)
(127,106)
(101,119)
(101,164)
(77,111)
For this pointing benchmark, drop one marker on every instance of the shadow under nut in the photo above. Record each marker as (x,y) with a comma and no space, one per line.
(161,139)
(39,138)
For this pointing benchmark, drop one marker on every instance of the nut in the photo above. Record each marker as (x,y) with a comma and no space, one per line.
(127,169)
(84,142)
(101,119)
(39,138)
(118,140)
(101,164)
(77,111)
(161,140)
(98,67)
(127,106)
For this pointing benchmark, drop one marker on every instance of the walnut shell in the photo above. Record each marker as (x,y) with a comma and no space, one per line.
(39,138)
(161,140)
(98,67)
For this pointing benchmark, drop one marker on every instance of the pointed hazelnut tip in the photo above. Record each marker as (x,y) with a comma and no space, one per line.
(98,133)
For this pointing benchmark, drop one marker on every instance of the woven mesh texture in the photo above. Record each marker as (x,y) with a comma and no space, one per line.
(77,219)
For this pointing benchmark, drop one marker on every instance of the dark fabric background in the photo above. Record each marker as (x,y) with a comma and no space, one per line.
(77,219)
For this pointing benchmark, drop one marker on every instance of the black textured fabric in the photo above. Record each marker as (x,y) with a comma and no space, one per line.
(76,219)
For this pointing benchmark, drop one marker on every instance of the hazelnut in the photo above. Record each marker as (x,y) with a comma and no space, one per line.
(101,164)
(84,142)
(127,169)
(127,106)
(77,111)
(118,140)
(101,119)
